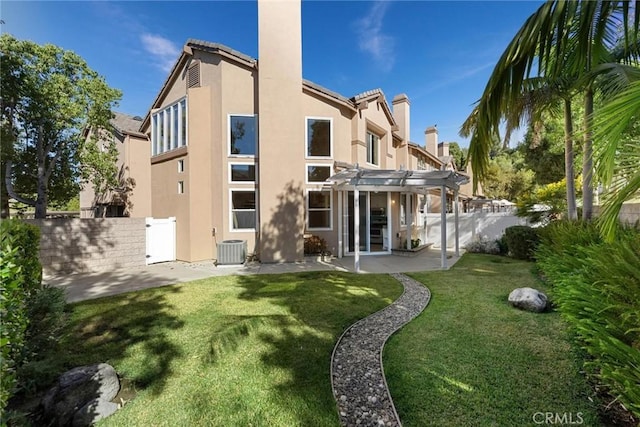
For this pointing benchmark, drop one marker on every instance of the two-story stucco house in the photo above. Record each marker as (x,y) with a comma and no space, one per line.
(246,149)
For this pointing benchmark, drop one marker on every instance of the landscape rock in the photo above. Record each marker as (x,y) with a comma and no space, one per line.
(528,299)
(77,387)
(93,412)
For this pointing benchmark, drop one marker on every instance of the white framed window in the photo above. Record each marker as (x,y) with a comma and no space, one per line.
(169,128)
(242,210)
(180,187)
(317,173)
(242,173)
(242,135)
(373,149)
(319,137)
(319,212)
(181,166)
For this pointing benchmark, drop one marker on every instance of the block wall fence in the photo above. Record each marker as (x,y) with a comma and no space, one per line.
(72,245)
(629,214)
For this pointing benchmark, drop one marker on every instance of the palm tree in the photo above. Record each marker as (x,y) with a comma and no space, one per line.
(560,39)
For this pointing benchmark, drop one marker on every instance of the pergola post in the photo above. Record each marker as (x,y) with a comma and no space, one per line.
(443,227)
(356,229)
(409,207)
(455,195)
(341,216)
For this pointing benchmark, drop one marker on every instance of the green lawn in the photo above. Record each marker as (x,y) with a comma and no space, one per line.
(471,359)
(255,350)
(228,351)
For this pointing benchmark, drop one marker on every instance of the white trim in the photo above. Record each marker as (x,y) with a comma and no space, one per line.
(306,137)
(180,165)
(165,117)
(241,156)
(230,210)
(306,172)
(180,187)
(247,163)
(308,228)
(370,132)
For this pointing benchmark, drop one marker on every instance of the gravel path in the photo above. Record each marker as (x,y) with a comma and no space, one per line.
(357,376)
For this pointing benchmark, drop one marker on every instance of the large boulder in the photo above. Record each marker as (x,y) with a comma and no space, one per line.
(528,299)
(93,412)
(76,388)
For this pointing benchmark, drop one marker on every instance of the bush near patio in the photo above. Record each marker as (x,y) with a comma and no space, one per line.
(521,241)
(596,287)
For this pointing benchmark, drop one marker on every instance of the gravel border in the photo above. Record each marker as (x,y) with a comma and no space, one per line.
(357,374)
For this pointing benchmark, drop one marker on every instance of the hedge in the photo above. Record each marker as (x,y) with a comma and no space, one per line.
(596,288)
(20,277)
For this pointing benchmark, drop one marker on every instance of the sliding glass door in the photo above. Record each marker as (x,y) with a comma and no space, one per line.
(374,221)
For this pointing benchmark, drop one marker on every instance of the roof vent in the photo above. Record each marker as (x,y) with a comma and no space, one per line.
(193,75)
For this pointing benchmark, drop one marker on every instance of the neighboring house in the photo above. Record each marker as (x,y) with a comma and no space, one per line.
(244,149)
(132,196)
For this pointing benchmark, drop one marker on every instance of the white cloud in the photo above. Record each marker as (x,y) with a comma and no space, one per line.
(372,40)
(164,50)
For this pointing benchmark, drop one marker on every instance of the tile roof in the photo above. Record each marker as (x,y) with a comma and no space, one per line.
(213,47)
(125,123)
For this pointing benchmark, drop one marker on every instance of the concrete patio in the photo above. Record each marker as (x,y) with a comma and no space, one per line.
(83,286)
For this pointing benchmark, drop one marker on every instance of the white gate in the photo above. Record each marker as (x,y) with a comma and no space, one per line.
(161,239)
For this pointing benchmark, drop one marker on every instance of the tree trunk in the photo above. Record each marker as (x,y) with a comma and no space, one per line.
(568,161)
(587,162)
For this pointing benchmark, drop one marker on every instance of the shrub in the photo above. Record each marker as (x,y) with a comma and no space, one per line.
(314,245)
(596,287)
(522,241)
(20,277)
(502,245)
(48,315)
(483,246)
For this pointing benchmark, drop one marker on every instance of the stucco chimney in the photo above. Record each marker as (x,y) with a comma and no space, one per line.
(281,131)
(443,149)
(402,114)
(431,140)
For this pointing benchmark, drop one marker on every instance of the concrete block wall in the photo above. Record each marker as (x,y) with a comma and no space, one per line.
(629,214)
(90,245)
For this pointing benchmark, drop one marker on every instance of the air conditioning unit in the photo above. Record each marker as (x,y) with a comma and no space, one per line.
(232,252)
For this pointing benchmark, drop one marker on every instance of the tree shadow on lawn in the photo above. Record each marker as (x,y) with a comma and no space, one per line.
(102,331)
(321,305)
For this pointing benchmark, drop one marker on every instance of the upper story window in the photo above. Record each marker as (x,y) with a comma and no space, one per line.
(373,149)
(319,139)
(318,173)
(242,172)
(169,128)
(242,135)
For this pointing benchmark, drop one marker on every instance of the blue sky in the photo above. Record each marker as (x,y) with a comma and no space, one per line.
(440,53)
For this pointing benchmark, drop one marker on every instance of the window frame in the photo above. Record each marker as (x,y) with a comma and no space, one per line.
(306,137)
(169,127)
(180,165)
(181,187)
(231,210)
(230,175)
(306,172)
(378,138)
(308,209)
(229,153)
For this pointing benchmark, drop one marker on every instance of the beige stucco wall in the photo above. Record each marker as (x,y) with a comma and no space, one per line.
(138,160)
(281,120)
